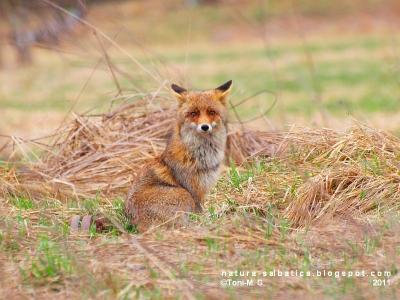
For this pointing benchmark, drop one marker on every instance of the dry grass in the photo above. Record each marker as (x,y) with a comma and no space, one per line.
(337,185)
(359,173)
(99,155)
(91,149)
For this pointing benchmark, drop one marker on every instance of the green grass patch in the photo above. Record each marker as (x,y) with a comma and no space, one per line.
(22,203)
(49,264)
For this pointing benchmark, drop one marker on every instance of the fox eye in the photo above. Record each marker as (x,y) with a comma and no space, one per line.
(193,113)
(212,113)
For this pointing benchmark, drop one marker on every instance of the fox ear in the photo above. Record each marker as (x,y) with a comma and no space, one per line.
(223,90)
(179,92)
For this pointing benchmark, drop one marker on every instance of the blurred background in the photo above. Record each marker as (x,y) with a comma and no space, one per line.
(307,62)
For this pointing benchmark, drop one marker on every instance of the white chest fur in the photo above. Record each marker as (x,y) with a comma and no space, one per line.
(209,157)
(208,154)
(207,180)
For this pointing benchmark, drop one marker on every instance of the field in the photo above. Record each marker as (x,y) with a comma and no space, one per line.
(313,184)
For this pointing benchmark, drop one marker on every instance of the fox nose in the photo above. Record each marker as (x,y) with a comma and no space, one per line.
(205,127)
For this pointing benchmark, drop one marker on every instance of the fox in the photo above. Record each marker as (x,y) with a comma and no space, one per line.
(174,184)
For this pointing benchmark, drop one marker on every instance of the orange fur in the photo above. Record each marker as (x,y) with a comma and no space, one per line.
(179,179)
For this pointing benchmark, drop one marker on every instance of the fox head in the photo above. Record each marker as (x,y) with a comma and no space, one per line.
(202,113)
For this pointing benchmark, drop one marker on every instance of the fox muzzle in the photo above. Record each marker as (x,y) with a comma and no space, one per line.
(204,127)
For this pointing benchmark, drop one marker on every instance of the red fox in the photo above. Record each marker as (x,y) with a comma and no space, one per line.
(178,180)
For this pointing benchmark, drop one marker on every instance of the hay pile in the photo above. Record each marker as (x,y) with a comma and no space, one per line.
(99,155)
(358,173)
(319,174)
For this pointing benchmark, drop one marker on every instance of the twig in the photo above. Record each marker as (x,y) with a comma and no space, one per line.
(105,36)
(109,63)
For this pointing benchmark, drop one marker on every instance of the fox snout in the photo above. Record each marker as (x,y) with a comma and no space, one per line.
(204,127)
